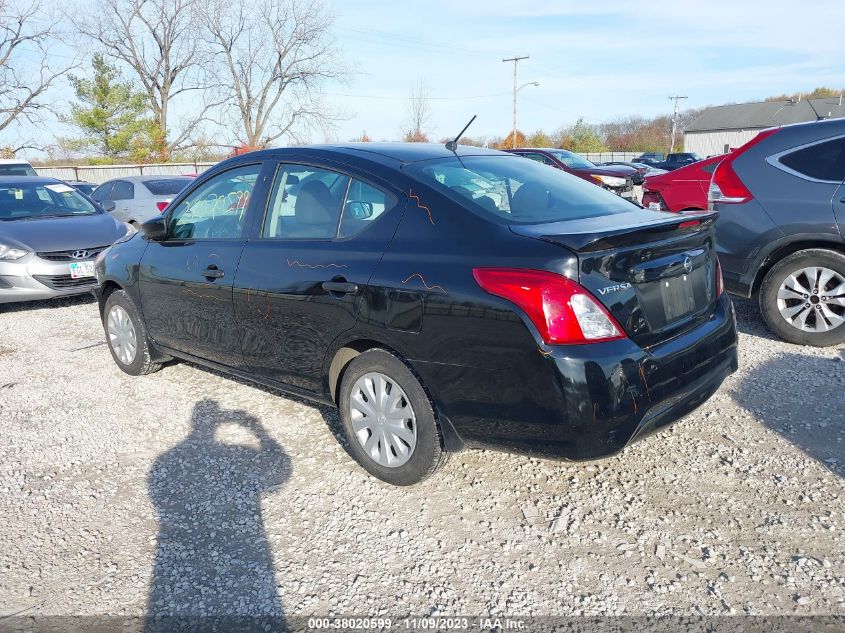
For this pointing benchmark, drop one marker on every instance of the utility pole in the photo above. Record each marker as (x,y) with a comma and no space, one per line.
(515,61)
(674,122)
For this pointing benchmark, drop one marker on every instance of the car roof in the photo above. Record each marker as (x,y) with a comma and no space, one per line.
(14,161)
(28,180)
(385,153)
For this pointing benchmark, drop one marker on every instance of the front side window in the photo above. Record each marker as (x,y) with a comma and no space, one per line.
(217,208)
(305,203)
(822,161)
(513,191)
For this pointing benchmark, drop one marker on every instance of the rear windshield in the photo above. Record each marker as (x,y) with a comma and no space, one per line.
(512,190)
(17,170)
(167,186)
(24,201)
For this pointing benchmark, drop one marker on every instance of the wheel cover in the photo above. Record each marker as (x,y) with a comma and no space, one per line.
(383,420)
(812,299)
(122,338)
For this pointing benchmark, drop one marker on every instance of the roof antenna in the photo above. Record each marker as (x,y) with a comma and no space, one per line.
(453,144)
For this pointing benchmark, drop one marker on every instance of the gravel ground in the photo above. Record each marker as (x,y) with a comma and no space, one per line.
(185,492)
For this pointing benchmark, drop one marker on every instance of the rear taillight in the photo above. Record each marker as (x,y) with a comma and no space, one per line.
(726,186)
(560,308)
(162,206)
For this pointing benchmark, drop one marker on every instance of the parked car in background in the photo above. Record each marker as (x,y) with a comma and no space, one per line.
(16,167)
(619,180)
(440,299)
(136,199)
(781,204)
(49,237)
(684,189)
(643,169)
(81,185)
(678,160)
(649,158)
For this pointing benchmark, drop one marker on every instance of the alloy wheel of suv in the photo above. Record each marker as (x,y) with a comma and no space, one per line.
(803,298)
(388,419)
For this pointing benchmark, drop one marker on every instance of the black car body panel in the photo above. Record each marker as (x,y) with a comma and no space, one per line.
(284,310)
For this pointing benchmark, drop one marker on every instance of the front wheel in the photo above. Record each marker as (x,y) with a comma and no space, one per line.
(803,298)
(388,419)
(126,335)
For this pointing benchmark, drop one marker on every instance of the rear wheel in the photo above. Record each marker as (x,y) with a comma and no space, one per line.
(803,298)
(388,419)
(126,335)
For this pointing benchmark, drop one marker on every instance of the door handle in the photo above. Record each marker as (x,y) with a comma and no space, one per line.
(212,272)
(344,287)
(842,200)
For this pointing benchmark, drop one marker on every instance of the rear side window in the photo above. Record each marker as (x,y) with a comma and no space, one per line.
(167,186)
(823,161)
(305,203)
(123,190)
(364,204)
(513,191)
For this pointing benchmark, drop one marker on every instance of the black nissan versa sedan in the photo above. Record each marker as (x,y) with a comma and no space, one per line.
(441,299)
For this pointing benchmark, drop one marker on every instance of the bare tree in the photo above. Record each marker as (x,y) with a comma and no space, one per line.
(27,70)
(419,114)
(274,56)
(160,41)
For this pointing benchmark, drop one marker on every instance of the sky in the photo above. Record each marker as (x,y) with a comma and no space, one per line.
(596,60)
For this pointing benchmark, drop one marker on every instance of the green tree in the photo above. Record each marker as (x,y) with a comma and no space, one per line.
(582,137)
(111,115)
(539,139)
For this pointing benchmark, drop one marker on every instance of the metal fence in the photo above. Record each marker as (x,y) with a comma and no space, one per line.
(101,173)
(604,157)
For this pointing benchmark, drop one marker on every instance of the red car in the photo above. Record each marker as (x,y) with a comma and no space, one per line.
(682,189)
(616,178)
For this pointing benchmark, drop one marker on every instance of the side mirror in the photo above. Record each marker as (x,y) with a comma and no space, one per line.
(359,210)
(292,179)
(108,205)
(155,229)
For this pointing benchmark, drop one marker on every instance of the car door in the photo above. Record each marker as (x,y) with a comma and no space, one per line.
(186,280)
(300,283)
(122,194)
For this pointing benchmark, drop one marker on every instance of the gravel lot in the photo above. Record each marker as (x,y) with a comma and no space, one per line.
(185,492)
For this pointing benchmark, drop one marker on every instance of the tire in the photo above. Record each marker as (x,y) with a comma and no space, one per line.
(414,464)
(140,362)
(788,276)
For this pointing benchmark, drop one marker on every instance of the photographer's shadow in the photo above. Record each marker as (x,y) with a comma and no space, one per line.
(214,568)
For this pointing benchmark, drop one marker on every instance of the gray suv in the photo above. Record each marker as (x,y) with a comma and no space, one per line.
(781,203)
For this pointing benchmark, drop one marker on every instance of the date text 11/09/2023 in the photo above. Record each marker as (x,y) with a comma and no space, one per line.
(418,624)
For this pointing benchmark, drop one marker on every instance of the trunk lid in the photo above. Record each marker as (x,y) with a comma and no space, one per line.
(655,272)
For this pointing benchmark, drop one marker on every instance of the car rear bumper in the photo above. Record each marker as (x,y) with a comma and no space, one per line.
(587,401)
